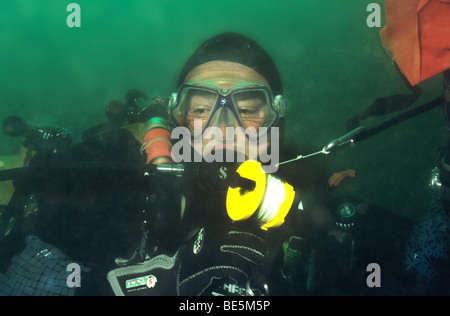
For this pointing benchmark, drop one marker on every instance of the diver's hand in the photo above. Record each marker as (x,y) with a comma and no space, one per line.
(220,263)
(214,262)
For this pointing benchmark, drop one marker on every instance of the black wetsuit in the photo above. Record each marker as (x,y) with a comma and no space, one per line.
(94,199)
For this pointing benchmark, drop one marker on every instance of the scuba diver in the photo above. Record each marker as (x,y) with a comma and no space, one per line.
(217,216)
(256,230)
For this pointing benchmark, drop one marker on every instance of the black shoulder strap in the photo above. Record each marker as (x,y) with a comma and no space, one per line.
(386,105)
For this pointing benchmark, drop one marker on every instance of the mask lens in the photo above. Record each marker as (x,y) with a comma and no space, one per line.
(195,104)
(252,107)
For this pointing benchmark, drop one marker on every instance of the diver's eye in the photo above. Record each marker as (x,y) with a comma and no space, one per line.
(199,111)
(200,103)
(251,103)
(249,112)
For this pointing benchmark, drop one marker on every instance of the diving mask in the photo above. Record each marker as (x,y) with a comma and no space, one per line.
(250,106)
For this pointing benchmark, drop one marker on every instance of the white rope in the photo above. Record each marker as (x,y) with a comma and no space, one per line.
(274,197)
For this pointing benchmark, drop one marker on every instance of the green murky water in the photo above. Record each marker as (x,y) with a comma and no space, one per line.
(332,65)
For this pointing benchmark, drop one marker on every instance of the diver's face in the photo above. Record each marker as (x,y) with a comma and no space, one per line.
(252,108)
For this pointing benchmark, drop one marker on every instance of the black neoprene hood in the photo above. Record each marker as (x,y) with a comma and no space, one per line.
(235,48)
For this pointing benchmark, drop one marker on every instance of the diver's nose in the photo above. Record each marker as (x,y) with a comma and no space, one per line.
(223,119)
(223,124)
(227,120)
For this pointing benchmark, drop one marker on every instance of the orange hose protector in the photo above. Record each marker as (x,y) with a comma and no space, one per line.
(158,146)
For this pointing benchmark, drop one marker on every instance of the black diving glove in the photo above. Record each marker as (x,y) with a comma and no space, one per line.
(222,263)
(214,262)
